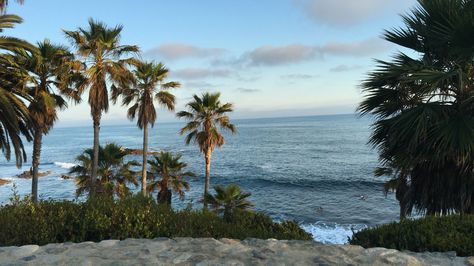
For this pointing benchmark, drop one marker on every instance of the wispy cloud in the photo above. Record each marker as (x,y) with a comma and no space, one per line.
(277,55)
(362,48)
(200,73)
(298,76)
(199,84)
(174,51)
(270,55)
(247,90)
(343,13)
(344,68)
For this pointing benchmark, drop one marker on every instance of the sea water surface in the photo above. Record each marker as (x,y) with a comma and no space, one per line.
(317,170)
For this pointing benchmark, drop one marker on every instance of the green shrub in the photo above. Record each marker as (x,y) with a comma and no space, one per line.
(24,223)
(432,233)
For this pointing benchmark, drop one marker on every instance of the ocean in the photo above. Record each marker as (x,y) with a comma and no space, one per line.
(316,170)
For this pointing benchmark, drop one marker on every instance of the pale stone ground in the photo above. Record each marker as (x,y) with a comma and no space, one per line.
(189,251)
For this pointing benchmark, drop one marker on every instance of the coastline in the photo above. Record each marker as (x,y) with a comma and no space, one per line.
(208,251)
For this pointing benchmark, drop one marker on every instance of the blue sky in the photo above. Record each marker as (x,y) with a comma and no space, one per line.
(268,57)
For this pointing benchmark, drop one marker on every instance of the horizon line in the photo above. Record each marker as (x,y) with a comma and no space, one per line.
(178,121)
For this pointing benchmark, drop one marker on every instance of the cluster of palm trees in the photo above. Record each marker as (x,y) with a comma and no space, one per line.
(36,81)
(424,109)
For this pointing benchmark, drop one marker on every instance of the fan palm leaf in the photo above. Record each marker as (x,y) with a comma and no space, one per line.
(423,108)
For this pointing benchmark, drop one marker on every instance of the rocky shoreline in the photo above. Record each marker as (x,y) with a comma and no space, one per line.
(206,251)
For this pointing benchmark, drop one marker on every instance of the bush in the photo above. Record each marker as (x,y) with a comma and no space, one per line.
(24,223)
(432,233)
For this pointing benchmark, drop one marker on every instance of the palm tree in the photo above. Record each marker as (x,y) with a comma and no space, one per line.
(206,115)
(4,4)
(229,199)
(14,117)
(170,169)
(100,48)
(50,77)
(149,85)
(12,43)
(114,172)
(424,108)
(399,184)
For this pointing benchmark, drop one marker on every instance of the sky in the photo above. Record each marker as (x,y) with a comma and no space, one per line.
(270,58)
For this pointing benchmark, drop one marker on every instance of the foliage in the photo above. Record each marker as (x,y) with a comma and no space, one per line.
(4,4)
(205,116)
(114,172)
(103,56)
(14,118)
(432,233)
(149,85)
(167,173)
(105,63)
(423,108)
(228,200)
(49,79)
(131,217)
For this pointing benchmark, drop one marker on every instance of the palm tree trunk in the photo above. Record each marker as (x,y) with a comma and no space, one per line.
(95,160)
(144,165)
(164,196)
(208,156)
(35,164)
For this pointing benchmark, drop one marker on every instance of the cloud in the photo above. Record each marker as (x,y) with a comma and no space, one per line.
(247,90)
(343,13)
(174,51)
(248,79)
(199,73)
(270,55)
(358,48)
(199,84)
(344,68)
(278,55)
(298,76)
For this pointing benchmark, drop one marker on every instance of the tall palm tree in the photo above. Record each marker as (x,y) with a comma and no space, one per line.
(99,46)
(149,86)
(14,117)
(50,82)
(206,115)
(424,107)
(114,172)
(229,199)
(170,170)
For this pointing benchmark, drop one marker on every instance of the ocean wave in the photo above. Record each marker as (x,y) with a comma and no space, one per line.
(65,165)
(332,233)
(322,183)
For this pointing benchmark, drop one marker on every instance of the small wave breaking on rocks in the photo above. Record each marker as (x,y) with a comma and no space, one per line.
(65,165)
(332,233)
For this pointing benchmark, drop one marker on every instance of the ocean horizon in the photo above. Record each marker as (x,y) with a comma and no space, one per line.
(317,170)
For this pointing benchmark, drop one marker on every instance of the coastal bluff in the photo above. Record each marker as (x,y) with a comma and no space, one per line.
(207,251)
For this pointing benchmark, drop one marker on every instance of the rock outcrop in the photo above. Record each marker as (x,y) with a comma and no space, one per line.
(205,251)
(4,182)
(28,174)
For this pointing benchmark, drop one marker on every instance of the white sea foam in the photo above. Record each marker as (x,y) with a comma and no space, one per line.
(332,233)
(65,165)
